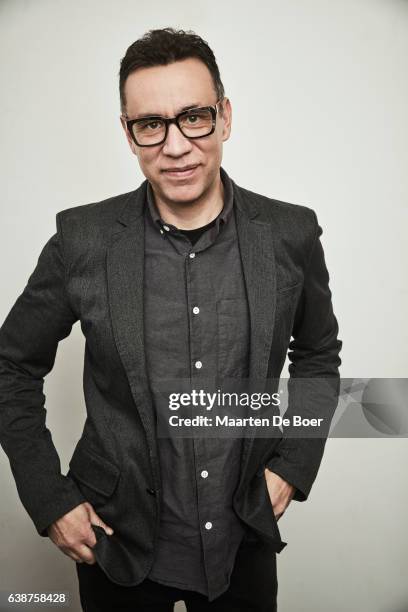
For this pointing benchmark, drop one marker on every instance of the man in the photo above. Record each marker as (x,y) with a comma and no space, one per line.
(189,276)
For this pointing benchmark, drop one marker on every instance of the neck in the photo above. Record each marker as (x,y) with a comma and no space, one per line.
(195,213)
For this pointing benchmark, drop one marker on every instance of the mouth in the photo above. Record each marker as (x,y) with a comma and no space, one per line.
(183,172)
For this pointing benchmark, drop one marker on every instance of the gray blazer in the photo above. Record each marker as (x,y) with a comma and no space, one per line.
(91,270)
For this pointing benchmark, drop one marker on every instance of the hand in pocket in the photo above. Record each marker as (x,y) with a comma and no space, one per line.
(280,492)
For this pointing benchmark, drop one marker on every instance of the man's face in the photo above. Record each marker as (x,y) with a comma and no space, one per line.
(165,91)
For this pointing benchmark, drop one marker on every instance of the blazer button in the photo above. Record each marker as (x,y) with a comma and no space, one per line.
(151,491)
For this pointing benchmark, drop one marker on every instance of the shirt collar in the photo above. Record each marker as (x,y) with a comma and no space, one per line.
(223,216)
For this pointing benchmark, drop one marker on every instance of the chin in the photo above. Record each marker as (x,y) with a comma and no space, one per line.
(183,193)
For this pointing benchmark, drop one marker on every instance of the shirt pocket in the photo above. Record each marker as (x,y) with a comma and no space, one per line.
(232,338)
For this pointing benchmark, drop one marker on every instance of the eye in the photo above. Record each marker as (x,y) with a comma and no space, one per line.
(153,125)
(149,126)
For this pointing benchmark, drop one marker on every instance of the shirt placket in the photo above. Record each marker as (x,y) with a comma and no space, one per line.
(209,524)
(200,370)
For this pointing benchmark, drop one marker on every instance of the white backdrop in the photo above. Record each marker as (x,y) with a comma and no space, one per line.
(330,80)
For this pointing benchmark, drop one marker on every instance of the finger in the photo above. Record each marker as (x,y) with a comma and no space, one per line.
(106,528)
(71,554)
(85,554)
(96,520)
(279,508)
(90,540)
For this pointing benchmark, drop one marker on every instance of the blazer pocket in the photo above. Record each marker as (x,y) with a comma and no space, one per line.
(289,287)
(96,476)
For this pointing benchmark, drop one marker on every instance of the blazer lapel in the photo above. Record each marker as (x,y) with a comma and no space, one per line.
(125,272)
(255,240)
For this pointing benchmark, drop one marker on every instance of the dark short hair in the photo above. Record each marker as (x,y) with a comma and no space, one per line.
(165,46)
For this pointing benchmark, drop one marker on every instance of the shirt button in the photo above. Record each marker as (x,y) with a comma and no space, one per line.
(198,364)
(196,310)
(208,525)
(192,255)
(204,474)
(166,227)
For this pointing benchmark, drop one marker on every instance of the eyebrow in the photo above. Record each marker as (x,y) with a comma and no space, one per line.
(184,108)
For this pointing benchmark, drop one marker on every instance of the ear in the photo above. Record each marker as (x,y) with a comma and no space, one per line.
(226,118)
(128,136)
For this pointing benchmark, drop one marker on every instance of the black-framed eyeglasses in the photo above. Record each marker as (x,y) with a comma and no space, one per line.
(193,123)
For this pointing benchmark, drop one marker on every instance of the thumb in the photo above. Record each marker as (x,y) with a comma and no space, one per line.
(96,520)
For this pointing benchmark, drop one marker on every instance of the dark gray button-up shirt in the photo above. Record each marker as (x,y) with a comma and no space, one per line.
(196,326)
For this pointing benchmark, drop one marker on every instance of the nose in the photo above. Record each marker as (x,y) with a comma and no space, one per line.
(176,144)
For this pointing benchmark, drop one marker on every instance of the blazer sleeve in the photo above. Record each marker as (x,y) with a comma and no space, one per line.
(29,336)
(314,382)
